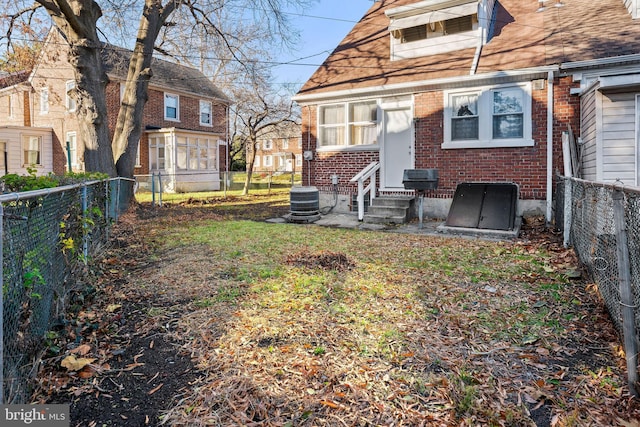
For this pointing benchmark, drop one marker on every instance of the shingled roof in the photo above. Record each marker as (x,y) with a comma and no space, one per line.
(168,75)
(12,79)
(522,38)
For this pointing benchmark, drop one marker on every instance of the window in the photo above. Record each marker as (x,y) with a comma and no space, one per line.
(285,144)
(268,144)
(349,124)
(171,107)
(256,162)
(157,152)
(298,159)
(195,153)
(73,149)
(435,27)
(70,98)
(488,117)
(44,101)
(268,161)
(138,163)
(31,146)
(299,142)
(205,113)
(3,157)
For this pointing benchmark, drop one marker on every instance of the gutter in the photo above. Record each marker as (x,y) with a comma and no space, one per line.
(593,63)
(434,84)
(549,145)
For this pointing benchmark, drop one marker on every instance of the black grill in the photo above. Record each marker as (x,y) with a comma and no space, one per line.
(420,179)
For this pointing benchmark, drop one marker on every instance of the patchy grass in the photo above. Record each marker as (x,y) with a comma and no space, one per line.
(303,325)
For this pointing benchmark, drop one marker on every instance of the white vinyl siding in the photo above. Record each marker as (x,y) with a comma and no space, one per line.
(619,138)
(588,126)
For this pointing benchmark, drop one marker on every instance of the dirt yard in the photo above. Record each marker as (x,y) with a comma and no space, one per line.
(202,314)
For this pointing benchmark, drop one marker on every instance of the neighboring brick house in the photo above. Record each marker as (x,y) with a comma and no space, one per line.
(480,90)
(184,122)
(280,150)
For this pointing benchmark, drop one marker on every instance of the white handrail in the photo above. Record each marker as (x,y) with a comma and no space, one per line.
(368,172)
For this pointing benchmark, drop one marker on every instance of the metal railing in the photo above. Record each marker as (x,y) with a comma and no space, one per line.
(46,235)
(602,223)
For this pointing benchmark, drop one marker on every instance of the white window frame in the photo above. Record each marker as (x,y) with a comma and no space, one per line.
(3,156)
(485,119)
(195,153)
(203,107)
(138,162)
(285,143)
(267,144)
(267,161)
(27,147)
(70,102)
(172,96)
(72,138)
(155,143)
(256,161)
(298,159)
(347,125)
(44,100)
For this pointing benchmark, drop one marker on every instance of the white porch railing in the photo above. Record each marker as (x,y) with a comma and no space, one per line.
(368,173)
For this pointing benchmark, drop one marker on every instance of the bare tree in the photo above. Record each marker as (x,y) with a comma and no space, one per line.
(259,110)
(78,21)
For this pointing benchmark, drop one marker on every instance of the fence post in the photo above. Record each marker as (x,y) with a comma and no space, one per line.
(159,188)
(567,215)
(85,235)
(1,307)
(107,198)
(626,295)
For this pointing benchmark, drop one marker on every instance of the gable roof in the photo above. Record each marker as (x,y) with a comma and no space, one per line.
(168,75)
(522,38)
(12,79)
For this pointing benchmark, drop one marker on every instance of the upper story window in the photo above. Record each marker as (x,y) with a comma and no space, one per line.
(268,144)
(205,113)
(44,100)
(488,117)
(436,26)
(285,143)
(70,99)
(171,107)
(348,124)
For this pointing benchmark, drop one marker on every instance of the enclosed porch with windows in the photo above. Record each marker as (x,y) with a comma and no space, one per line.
(186,160)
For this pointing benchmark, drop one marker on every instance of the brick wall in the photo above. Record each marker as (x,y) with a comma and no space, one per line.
(526,166)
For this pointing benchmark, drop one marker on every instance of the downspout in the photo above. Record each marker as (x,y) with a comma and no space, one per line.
(309,144)
(549,145)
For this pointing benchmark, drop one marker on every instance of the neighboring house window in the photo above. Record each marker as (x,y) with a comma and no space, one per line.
(285,144)
(138,163)
(171,107)
(32,147)
(71,101)
(195,153)
(205,113)
(348,124)
(157,153)
(299,142)
(298,159)
(268,161)
(3,157)
(268,144)
(256,162)
(44,100)
(73,149)
(488,117)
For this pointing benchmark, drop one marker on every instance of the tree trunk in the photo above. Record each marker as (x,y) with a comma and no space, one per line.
(128,126)
(250,162)
(77,21)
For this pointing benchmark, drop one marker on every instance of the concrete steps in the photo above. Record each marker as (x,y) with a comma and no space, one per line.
(390,210)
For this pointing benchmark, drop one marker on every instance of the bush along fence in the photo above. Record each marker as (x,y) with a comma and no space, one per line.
(46,235)
(602,223)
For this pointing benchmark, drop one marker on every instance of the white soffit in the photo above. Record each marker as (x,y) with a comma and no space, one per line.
(618,82)
(427,17)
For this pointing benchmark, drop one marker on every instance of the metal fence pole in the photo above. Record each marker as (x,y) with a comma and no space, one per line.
(153,189)
(159,188)
(568,211)
(1,307)
(626,293)
(117,212)
(85,235)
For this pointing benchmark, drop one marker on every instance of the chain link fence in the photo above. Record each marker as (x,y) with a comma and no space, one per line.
(602,223)
(46,235)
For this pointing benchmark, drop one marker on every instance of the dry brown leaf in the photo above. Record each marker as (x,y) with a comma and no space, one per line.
(72,364)
(82,350)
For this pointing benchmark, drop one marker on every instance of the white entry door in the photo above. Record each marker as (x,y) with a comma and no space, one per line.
(397,149)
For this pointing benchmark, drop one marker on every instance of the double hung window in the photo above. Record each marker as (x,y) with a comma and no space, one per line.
(349,124)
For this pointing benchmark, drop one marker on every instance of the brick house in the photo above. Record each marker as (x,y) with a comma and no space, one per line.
(279,150)
(184,124)
(482,91)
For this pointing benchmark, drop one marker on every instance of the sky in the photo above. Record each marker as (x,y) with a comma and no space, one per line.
(322,28)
